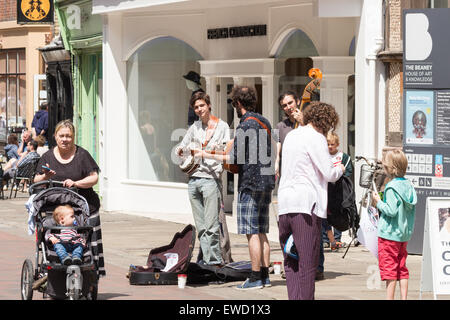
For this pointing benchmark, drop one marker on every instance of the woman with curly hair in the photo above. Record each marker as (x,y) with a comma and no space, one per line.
(302,195)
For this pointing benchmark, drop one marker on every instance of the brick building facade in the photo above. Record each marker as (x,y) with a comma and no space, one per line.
(20,62)
(8,10)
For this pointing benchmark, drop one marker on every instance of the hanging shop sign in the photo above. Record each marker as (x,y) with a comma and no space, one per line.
(237,32)
(35,11)
(425,40)
(426,109)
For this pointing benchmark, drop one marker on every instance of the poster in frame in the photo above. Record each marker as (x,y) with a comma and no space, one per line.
(438,244)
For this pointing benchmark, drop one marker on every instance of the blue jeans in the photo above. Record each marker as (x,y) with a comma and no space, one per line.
(205,198)
(63,250)
(325,227)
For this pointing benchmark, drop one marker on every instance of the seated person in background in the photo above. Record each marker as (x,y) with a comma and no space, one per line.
(42,148)
(68,241)
(12,147)
(27,157)
(26,137)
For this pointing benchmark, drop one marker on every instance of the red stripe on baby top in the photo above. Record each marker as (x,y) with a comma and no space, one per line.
(69,235)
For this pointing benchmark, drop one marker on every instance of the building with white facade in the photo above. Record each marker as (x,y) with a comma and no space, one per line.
(149,45)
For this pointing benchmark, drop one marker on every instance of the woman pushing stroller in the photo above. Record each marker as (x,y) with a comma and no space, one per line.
(75,168)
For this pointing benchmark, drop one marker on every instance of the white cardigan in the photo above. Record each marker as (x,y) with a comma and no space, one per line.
(307,169)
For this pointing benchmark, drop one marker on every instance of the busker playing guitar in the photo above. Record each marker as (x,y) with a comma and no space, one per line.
(205,186)
(254,156)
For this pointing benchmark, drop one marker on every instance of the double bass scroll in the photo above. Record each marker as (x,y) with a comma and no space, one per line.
(316,75)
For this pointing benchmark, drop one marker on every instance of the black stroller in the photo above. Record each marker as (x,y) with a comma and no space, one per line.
(50,276)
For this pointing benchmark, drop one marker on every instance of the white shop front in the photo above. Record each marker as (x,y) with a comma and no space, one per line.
(149,47)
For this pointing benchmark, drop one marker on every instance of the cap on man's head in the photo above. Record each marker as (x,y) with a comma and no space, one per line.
(193,76)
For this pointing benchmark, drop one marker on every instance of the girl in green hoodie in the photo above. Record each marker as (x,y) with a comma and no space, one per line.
(396,223)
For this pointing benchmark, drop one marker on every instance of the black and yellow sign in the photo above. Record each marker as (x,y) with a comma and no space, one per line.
(34,11)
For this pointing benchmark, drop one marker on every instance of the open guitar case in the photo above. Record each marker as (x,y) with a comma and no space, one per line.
(152,274)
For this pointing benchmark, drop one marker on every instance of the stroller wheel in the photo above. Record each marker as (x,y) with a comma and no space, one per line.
(26,282)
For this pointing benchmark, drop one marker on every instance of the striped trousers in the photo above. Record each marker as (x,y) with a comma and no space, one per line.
(300,274)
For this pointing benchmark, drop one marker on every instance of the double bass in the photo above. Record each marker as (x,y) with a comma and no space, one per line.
(316,75)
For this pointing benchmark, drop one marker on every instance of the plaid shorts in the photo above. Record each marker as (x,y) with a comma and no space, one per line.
(253,212)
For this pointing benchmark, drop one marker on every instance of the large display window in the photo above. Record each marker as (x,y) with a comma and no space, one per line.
(158,106)
(12,90)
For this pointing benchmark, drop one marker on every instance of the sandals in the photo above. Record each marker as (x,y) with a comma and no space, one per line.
(336,245)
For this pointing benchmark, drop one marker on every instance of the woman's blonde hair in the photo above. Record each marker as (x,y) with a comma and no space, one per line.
(65,124)
(395,163)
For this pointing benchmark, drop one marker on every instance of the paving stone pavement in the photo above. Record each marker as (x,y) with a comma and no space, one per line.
(128,238)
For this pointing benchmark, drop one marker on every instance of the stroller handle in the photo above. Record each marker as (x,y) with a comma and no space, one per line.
(48,184)
(79,229)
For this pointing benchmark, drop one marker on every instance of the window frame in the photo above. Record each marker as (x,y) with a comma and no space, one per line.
(7,75)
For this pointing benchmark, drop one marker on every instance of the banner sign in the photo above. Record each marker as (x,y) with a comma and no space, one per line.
(35,11)
(436,257)
(426,109)
(425,40)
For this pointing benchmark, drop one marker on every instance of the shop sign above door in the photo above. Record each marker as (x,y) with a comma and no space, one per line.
(237,32)
(34,11)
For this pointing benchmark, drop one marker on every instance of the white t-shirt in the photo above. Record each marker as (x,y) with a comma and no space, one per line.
(307,169)
(196,135)
(337,158)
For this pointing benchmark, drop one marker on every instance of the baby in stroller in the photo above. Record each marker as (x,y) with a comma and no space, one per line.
(68,241)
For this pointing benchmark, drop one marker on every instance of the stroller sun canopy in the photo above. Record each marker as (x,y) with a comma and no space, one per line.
(52,197)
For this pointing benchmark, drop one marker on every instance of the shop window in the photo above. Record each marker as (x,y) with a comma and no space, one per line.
(297,45)
(12,90)
(158,100)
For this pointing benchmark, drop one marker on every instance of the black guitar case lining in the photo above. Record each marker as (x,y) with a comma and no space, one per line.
(183,244)
(235,271)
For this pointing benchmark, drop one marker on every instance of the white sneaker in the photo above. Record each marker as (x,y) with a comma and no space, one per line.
(5,187)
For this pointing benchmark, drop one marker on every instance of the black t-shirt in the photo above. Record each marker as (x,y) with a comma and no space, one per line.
(79,168)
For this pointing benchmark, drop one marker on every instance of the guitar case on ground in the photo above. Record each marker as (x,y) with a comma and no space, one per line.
(181,246)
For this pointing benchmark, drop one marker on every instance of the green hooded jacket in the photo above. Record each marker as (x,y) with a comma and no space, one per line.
(397,211)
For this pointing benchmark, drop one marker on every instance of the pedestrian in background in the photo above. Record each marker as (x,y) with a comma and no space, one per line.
(307,169)
(396,223)
(331,236)
(39,125)
(289,103)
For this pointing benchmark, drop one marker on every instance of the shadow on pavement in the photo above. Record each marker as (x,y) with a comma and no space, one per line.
(107,296)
